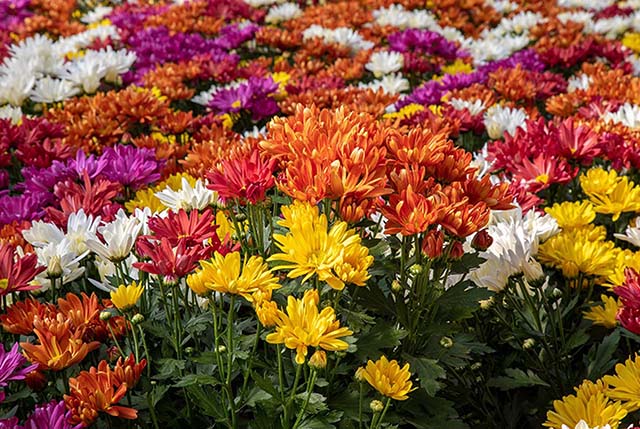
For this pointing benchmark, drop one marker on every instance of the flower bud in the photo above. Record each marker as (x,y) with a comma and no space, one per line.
(482,240)
(222,348)
(396,286)
(433,243)
(189,351)
(36,380)
(415,269)
(359,375)
(528,343)
(376,406)
(476,366)
(456,250)
(105,315)
(446,342)
(113,353)
(318,360)
(137,319)
(486,304)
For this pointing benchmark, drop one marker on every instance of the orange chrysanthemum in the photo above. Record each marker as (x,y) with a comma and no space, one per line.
(19,317)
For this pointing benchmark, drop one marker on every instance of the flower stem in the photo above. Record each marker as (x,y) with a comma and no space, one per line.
(310,385)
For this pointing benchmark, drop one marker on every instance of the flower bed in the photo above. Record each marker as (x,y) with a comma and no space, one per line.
(350,214)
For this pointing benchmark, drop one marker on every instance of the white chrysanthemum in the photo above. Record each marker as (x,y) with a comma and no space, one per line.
(580,81)
(342,36)
(80,229)
(35,55)
(118,238)
(631,234)
(515,245)
(521,22)
(60,261)
(397,16)
(628,114)
(484,167)
(258,3)
(204,98)
(187,197)
(579,16)
(586,4)
(15,88)
(114,62)
(86,72)
(384,62)
(635,63)
(502,6)
(391,84)
(283,12)
(474,107)
(255,132)
(494,47)
(609,27)
(13,113)
(42,233)
(498,120)
(97,14)
(50,90)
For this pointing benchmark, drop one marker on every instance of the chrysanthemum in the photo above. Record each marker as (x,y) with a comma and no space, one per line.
(194,228)
(605,314)
(302,326)
(625,384)
(17,272)
(571,214)
(226,274)
(127,296)
(388,378)
(310,248)
(590,403)
(11,366)
(598,181)
(574,252)
(623,197)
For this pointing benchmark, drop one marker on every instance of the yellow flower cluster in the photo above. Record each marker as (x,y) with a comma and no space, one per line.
(146,197)
(610,193)
(335,255)
(388,378)
(605,402)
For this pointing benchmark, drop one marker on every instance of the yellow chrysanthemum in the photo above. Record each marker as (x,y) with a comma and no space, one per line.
(598,181)
(225,274)
(625,259)
(605,314)
(145,198)
(590,404)
(388,378)
(632,41)
(302,326)
(623,197)
(195,282)
(572,214)
(625,385)
(336,256)
(225,227)
(406,112)
(174,182)
(126,297)
(458,66)
(573,252)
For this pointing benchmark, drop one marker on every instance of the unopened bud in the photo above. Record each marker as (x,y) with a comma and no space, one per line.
(105,315)
(189,351)
(376,406)
(476,366)
(137,319)
(222,348)
(528,343)
(359,375)
(482,240)
(415,269)
(486,304)
(396,286)
(456,250)
(446,342)
(318,360)
(432,244)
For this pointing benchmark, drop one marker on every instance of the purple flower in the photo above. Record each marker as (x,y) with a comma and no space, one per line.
(425,41)
(12,13)
(44,179)
(11,423)
(53,415)
(254,95)
(11,365)
(89,163)
(27,206)
(234,35)
(131,166)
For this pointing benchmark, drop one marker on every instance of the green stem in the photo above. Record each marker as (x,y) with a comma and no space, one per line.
(146,351)
(230,361)
(292,394)
(135,342)
(384,412)
(247,371)
(115,340)
(360,406)
(310,385)
(152,411)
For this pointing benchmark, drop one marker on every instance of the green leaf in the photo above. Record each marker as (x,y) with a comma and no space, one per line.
(515,379)
(317,402)
(256,395)
(381,336)
(200,379)
(577,339)
(600,358)
(428,372)
(461,301)
(158,392)
(169,368)
(208,401)
(265,384)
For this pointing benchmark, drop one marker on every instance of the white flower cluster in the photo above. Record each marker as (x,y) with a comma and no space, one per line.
(342,36)
(498,120)
(282,12)
(37,67)
(628,114)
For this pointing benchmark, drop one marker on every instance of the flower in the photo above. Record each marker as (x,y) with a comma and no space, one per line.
(631,234)
(246,179)
(225,274)
(60,347)
(605,314)
(19,317)
(194,228)
(53,415)
(131,166)
(624,196)
(572,214)
(625,384)
(336,256)
(95,391)
(411,213)
(17,272)
(118,238)
(187,197)
(590,403)
(303,326)
(388,378)
(126,297)
(171,262)
(11,363)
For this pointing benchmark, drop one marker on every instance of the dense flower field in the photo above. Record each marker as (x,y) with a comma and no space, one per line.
(345,214)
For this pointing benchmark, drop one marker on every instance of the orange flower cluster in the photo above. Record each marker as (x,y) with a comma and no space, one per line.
(66,333)
(101,389)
